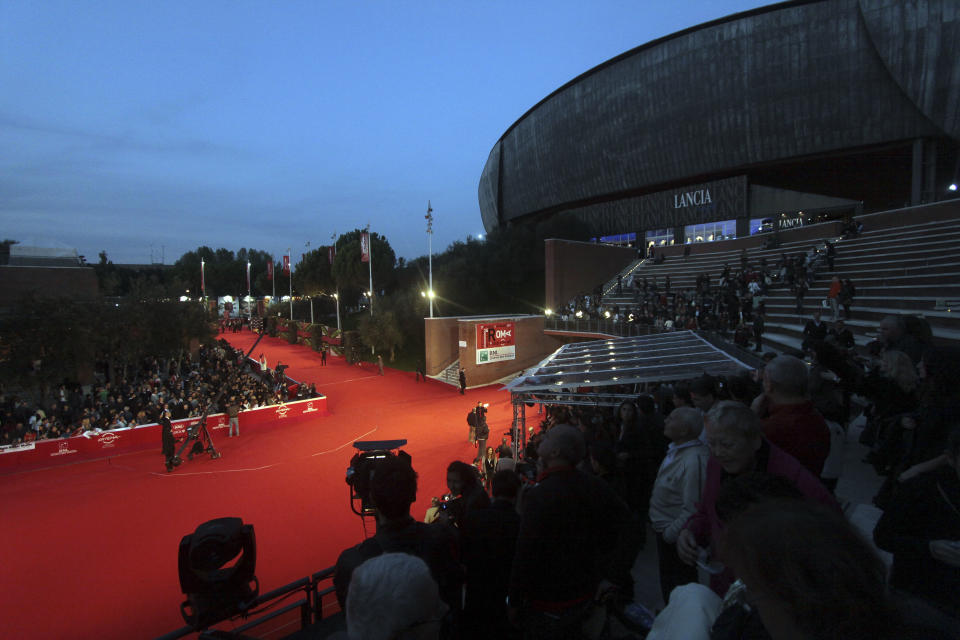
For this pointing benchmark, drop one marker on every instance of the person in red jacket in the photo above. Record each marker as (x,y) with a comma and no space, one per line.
(789,418)
(737,446)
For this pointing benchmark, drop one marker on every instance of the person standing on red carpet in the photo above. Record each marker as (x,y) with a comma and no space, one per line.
(233,411)
(168,443)
(380,363)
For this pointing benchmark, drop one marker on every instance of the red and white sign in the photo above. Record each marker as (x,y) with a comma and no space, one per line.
(147,437)
(495,342)
(269,269)
(286,265)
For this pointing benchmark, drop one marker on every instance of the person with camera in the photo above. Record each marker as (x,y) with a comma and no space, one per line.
(463,481)
(393,488)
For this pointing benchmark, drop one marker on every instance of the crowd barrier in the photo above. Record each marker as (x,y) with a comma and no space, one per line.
(91,446)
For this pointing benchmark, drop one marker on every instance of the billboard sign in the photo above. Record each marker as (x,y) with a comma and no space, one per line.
(495,342)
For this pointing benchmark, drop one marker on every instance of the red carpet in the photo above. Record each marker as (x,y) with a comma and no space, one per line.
(89,550)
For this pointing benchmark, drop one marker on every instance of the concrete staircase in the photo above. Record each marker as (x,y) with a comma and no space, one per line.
(450,375)
(908,269)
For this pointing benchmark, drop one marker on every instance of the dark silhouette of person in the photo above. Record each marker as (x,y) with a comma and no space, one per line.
(168,443)
(463,381)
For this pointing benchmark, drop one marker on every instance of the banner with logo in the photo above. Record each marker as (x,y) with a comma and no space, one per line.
(364,247)
(495,342)
(92,445)
(269,269)
(286,265)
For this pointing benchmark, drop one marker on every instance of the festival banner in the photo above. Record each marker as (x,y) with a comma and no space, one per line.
(286,265)
(101,444)
(495,342)
(269,269)
(364,247)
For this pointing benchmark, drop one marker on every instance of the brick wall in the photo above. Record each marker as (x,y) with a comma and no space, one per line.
(575,268)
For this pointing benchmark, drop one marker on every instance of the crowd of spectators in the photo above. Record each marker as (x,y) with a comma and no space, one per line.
(736,479)
(185,387)
(733,305)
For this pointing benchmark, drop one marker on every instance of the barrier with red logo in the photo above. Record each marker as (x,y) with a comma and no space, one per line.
(47,453)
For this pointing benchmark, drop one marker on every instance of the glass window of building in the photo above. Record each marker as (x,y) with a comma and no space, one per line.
(622,239)
(660,237)
(760,225)
(710,231)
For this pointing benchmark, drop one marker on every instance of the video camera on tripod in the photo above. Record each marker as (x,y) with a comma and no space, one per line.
(363,466)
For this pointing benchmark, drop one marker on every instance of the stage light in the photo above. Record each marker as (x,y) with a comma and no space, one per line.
(431,294)
(214,590)
(953,186)
(548,312)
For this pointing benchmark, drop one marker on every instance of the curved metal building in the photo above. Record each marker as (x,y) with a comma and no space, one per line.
(802,104)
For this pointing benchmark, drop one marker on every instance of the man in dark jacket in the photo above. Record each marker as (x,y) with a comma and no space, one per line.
(576,538)
(168,443)
(789,418)
(489,540)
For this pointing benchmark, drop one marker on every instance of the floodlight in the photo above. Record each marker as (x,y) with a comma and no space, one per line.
(214,590)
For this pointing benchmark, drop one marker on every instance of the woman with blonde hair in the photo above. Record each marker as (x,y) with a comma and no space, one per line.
(897,366)
(893,390)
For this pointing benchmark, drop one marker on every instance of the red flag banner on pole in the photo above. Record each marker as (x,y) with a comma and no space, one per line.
(286,265)
(331,253)
(269,269)
(364,247)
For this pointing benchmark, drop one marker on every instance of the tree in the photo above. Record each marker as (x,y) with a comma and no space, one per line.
(381,332)
(313,274)
(352,276)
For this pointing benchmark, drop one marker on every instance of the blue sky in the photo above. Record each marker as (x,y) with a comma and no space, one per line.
(141,127)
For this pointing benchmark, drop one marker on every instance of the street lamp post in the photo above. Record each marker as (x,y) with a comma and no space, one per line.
(429,218)
(336,297)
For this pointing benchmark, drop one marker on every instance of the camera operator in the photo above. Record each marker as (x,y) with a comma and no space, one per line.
(393,488)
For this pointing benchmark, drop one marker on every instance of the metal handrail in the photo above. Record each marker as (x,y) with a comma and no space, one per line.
(311,606)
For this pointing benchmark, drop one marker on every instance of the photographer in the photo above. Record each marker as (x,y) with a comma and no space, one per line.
(463,480)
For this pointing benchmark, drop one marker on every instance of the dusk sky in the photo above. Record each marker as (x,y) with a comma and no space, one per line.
(149,128)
